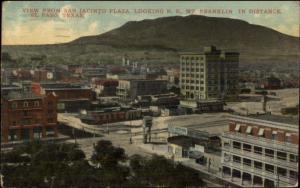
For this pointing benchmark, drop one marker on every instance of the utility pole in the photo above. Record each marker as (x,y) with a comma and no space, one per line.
(74,136)
(130,139)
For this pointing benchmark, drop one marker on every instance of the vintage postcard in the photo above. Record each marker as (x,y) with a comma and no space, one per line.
(150,94)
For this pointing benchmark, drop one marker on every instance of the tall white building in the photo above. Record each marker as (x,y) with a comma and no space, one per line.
(210,74)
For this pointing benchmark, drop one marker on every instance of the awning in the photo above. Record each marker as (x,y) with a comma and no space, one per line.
(261,132)
(288,134)
(237,127)
(195,154)
(249,128)
(274,132)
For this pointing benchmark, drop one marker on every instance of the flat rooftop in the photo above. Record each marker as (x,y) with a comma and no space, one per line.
(213,123)
(280,119)
(283,122)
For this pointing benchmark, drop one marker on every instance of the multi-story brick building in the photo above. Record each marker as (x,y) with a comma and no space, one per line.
(260,153)
(130,89)
(26,116)
(209,74)
(71,97)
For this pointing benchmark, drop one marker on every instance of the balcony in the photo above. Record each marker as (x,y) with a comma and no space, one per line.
(268,143)
(259,157)
(261,172)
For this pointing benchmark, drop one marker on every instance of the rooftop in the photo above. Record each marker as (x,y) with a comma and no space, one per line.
(287,123)
(183,141)
(280,119)
(213,124)
(22,96)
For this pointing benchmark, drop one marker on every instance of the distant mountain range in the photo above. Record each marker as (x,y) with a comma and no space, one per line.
(162,38)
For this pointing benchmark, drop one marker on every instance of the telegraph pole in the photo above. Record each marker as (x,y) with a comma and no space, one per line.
(74,136)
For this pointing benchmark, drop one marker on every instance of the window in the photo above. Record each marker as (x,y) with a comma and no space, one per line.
(236,159)
(288,137)
(237,127)
(36,103)
(281,155)
(249,129)
(246,162)
(25,104)
(201,76)
(281,171)
(201,70)
(274,135)
(25,113)
(269,168)
(247,147)
(261,132)
(257,150)
(227,157)
(293,174)
(293,158)
(258,165)
(226,143)
(201,88)
(236,145)
(269,153)
(201,82)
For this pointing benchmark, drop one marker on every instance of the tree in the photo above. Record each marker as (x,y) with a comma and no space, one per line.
(108,155)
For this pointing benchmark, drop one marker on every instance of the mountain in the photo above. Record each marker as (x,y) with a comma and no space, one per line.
(168,35)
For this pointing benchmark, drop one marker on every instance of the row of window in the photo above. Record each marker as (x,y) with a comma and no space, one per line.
(267,152)
(259,165)
(191,58)
(261,132)
(193,75)
(26,104)
(192,81)
(192,69)
(192,87)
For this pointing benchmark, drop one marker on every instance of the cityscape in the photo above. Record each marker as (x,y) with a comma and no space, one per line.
(110,110)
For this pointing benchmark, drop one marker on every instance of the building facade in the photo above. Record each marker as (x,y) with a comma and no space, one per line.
(209,74)
(71,97)
(260,153)
(26,116)
(130,89)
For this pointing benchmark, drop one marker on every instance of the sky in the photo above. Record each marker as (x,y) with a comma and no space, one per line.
(20,26)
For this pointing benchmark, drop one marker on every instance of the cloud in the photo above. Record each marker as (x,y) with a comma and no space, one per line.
(41,33)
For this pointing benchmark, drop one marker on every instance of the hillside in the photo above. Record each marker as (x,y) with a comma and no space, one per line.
(162,38)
